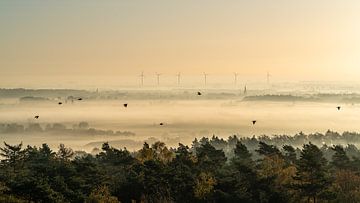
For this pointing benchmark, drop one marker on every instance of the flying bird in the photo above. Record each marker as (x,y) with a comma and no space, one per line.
(199,94)
(60,103)
(338,108)
(36,117)
(79,99)
(254,122)
(125,105)
(161,124)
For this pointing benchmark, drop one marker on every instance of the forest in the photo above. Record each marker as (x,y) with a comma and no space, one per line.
(82,128)
(210,170)
(252,94)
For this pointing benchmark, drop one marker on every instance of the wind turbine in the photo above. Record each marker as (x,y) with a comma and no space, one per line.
(142,78)
(235,78)
(158,78)
(205,78)
(178,78)
(268,78)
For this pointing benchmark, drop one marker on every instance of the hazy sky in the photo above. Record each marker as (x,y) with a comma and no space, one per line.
(304,40)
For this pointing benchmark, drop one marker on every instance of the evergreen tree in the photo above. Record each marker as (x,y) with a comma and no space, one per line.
(267,150)
(12,155)
(289,154)
(209,158)
(101,195)
(312,175)
(64,154)
(184,173)
(340,160)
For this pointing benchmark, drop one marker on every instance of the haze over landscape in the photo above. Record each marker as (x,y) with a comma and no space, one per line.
(43,43)
(306,47)
(256,79)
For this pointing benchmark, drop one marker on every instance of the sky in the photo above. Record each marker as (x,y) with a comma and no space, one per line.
(293,40)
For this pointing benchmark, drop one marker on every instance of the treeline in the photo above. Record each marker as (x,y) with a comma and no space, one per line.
(342,98)
(349,140)
(283,98)
(200,173)
(297,140)
(52,93)
(174,94)
(48,95)
(82,128)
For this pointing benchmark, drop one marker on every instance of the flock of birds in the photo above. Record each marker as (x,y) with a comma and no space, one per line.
(161,124)
(125,105)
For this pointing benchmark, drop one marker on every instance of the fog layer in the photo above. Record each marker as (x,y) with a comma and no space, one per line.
(183,119)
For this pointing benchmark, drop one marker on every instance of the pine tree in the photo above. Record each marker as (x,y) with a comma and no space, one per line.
(340,160)
(64,154)
(209,158)
(12,155)
(289,154)
(312,175)
(267,150)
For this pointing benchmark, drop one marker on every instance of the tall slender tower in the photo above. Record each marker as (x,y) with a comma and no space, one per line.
(178,78)
(158,78)
(235,78)
(205,78)
(245,90)
(142,78)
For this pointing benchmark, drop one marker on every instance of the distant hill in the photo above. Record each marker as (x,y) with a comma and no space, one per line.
(32,99)
(278,98)
(343,98)
(59,129)
(21,92)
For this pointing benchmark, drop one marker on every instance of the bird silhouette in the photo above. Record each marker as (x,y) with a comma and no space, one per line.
(161,124)
(60,103)
(199,94)
(338,108)
(79,99)
(254,122)
(125,105)
(37,117)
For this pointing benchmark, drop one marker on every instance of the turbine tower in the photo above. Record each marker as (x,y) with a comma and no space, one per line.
(178,78)
(142,78)
(158,78)
(205,78)
(268,78)
(235,78)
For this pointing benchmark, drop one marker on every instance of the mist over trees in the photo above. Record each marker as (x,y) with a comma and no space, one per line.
(82,128)
(210,170)
(278,94)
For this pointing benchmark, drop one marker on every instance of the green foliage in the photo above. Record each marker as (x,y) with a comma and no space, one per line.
(267,150)
(101,195)
(64,154)
(12,155)
(340,160)
(346,186)
(312,175)
(158,151)
(183,173)
(241,152)
(209,158)
(204,186)
(202,173)
(290,154)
